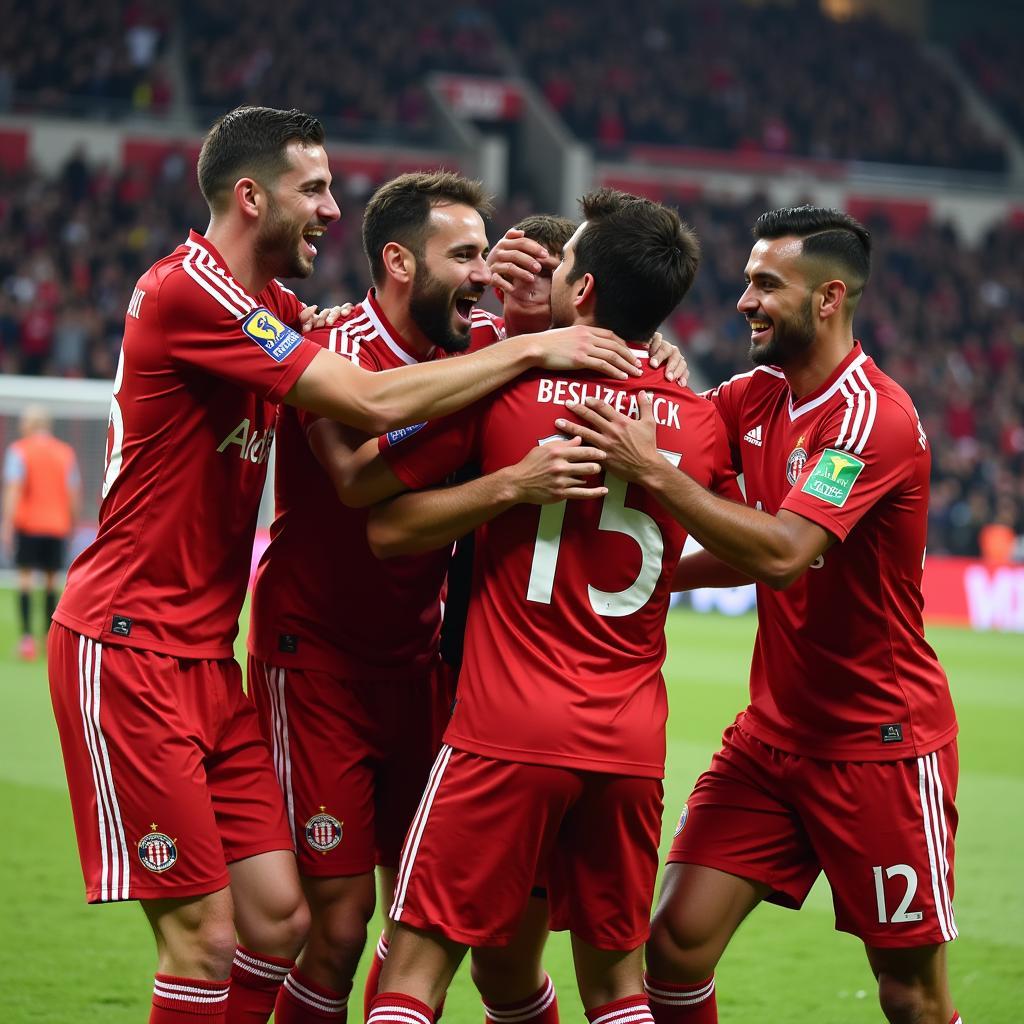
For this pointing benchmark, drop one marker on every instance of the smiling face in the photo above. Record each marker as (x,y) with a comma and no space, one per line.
(777,302)
(451,276)
(299,208)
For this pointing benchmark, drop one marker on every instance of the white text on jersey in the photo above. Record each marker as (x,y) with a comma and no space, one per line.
(561,392)
(254,448)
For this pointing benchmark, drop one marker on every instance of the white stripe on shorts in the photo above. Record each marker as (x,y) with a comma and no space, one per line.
(115,870)
(935,834)
(415,835)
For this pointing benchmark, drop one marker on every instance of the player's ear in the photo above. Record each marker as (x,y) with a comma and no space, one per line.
(249,197)
(830,298)
(585,293)
(399,262)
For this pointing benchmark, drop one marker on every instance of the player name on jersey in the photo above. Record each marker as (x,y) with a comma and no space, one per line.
(575,392)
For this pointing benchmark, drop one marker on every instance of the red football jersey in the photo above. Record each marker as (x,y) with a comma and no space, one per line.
(322,600)
(191,425)
(565,637)
(841,669)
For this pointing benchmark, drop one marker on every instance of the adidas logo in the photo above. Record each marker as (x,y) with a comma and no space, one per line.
(754,436)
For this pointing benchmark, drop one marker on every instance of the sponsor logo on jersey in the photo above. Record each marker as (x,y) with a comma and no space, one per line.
(754,436)
(892,733)
(275,338)
(253,445)
(796,461)
(682,820)
(157,851)
(323,831)
(394,436)
(833,477)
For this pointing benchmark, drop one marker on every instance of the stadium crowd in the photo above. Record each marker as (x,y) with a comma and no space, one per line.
(994,61)
(941,317)
(377,89)
(101,59)
(707,75)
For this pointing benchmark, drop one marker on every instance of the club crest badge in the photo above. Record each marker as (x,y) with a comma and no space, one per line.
(158,851)
(323,831)
(796,461)
(682,820)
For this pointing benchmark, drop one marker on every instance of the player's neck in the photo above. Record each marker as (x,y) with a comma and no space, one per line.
(807,373)
(237,252)
(396,308)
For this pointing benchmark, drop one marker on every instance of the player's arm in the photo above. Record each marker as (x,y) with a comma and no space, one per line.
(703,569)
(430,519)
(775,550)
(376,402)
(353,462)
(14,473)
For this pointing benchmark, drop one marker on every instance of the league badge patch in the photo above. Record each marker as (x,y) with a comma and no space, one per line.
(396,436)
(796,461)
(833,477)
(682,820)
(157,851)
(323,831)
(275,338)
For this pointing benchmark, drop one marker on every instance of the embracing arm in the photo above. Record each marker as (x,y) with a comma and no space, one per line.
(703,569)
(775,550)
(359,473)
(427,520)
(375,402)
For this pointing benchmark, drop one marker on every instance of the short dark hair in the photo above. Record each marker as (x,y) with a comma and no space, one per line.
(643,259)
(399,211)
(834,240)
(550,231)
(250,142)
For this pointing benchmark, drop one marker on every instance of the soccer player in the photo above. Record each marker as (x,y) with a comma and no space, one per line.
(172,788)
(558,729)
(343,676)
(42,494)
(845,760)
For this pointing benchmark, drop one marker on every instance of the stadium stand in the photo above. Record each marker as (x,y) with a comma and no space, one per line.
(106,60)
(374,91)
(994,61)
(706,74)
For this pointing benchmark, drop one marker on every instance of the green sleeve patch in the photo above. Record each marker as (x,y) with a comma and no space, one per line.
(833,477)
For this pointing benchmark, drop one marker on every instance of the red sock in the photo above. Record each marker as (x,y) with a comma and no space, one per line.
(394,1008)
(631,1010)
(255,980)
(183,1000)
(373,974)
(540,1008)
(302,1000)
(956,1018)
(682,1004)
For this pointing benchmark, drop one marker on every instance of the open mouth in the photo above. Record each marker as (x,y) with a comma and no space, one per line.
(310,235)
(759,328)
(464,306)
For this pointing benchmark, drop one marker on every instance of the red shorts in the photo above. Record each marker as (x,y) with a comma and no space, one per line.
(486,829)
(352,759)
(170,780)
(882,831)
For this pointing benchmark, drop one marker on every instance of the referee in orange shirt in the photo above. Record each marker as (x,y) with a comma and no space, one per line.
(41,495)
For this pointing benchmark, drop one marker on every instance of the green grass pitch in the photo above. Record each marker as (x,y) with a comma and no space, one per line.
(61,961)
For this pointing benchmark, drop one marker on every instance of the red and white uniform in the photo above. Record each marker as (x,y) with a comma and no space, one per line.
(344,646)
(841,671)
(841,668)
(192,420)
(562,666)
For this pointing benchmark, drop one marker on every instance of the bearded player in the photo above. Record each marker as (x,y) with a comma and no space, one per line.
(845,760)
(558,729)
(172,789)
